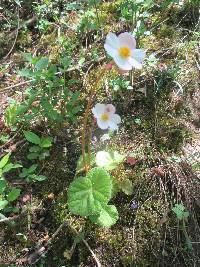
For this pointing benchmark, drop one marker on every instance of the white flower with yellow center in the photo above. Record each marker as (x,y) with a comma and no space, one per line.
(123,50)
(106,117)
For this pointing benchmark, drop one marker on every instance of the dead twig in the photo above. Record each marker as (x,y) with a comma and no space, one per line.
(17,31)
(27,23)
(35,256)
(43,249)
(13,218)
(89,248)
(93,254)
(11,139)
(13,147)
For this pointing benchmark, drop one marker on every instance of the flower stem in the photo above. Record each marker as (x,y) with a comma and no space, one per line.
(86,115)
(89,142)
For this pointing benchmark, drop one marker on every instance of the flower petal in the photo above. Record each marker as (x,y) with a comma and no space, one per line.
(98,110)
(138,54)
(102,124)
(112,40)
(115,119)
(110,109)
(122,63)
(134,63)
(110,50)
(127,39)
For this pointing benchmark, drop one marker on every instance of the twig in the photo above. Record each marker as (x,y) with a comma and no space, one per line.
(56,232)
(36,255)
(11,139)
(14,145)
(87,245)
(17,31)
(29,22)
(91,251)
(13,218)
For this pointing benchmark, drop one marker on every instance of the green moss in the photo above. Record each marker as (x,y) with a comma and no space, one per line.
(166,31)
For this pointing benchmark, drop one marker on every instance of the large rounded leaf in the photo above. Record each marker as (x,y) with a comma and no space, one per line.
(107,217)
(109,160)
(87,194)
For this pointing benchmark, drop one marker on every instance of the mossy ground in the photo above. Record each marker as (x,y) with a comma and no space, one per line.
(148,234)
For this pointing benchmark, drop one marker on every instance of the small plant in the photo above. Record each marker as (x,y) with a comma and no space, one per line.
(29,174)
(40,150)
(120,84)
(49,97)
(8,194)
(89,196)
(180,212)
(182,215)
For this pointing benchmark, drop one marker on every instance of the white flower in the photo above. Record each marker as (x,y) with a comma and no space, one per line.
(123,50)
(106,117)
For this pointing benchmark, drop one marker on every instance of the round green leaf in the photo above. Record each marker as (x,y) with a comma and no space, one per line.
(108,216)
(87,194)
(108,160)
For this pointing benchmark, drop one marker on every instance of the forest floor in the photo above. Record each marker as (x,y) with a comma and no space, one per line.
(159,133)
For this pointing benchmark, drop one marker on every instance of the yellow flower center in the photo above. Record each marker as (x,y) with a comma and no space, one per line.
(124,52)
(104,117)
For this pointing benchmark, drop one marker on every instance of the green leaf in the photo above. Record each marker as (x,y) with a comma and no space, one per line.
(66,61)
(108,216)
(3,204)
(42,63)
(40,178)
(46,142)
(44,155)
(25,73)
(34,149)
(109,160)
(2,186)
(32,137)
(87,194)
(24,173)
(180,212)
(32,168)
(4,161)
(11,166)
(28,57)
(22,109)
(32,156)
(126,186)
(14,193)
(81,61)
